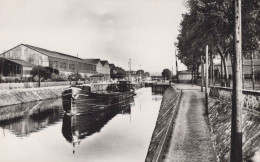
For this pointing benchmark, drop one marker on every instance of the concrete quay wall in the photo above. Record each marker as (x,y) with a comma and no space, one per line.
(220,109)
(164,125)
(19,96)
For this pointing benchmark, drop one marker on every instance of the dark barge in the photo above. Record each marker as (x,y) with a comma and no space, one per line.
(82,99)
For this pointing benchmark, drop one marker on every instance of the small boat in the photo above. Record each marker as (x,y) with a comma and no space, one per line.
(83,99)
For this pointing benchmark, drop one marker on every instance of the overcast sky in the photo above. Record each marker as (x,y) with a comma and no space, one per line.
(113,30)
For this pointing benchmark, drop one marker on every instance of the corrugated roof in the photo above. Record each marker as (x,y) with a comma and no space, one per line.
(93,61)
(55,54)
(104,62)
(111,65)
(20,62)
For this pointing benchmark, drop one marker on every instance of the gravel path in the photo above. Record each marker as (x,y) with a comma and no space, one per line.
(191,135)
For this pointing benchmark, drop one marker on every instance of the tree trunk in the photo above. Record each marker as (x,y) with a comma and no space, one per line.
(221,73)
(192,71)
(202,73)
(212,69)
(223,58)
(253,70)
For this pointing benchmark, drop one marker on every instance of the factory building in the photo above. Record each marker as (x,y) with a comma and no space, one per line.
(20,60)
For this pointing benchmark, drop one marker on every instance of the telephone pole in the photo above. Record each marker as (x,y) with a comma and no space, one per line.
(237,97)
(176,66)
(202,73)
(129,69)
(207,80)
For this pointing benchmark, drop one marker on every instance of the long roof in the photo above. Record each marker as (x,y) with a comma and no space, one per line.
(111,65)
(55,54)
(93,61)
(20,62)
(104,62)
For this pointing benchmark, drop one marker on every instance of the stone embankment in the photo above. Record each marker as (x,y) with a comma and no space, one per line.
(220,109)
(25,95)
(19,96)
(164,124)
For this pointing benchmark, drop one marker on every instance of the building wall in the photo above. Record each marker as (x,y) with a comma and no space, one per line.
(23,53)
(71,66)
(106,71)
(99,68)
(184,78)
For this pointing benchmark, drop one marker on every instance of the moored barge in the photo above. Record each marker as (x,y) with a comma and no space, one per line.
(83,99)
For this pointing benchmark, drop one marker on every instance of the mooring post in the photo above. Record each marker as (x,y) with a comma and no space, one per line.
(207,81)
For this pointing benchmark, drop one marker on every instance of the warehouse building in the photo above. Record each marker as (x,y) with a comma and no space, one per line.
(21,59)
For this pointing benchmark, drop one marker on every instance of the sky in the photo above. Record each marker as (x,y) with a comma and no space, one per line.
(114,30)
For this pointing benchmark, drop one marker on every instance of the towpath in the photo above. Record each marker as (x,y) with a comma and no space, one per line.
(191,135)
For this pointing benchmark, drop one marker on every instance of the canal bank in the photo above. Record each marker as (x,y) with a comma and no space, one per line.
(20,96)
(220,109)
(25,95)
(42,127)
(164,124)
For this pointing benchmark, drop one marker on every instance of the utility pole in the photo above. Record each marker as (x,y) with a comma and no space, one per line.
(176,66)
(172,71)
(129,69)
(202,72)
(77,70)
(39,77)
(140,74)
(237,97)
(207,80)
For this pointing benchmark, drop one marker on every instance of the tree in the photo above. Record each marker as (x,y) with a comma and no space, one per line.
(146,74)
(43,72)
(211,23)
(118,73)
(166,74)
(138,72)
(75,77)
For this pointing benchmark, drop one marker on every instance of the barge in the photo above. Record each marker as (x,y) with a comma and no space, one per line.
(82,99)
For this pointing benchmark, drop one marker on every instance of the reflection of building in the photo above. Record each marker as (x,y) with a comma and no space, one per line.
(20,59)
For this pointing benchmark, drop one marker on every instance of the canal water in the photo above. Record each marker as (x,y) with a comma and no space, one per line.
(42,132)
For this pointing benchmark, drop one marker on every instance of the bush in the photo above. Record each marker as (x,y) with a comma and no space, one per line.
(55,77)
(75,77)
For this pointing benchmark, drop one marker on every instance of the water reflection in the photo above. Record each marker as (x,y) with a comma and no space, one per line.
(30,117)
(114,134)
(77,127)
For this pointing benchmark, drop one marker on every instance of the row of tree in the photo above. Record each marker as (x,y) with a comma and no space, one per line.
(48,73)
(211,22)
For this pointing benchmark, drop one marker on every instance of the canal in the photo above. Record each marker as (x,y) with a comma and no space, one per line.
(42,132)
